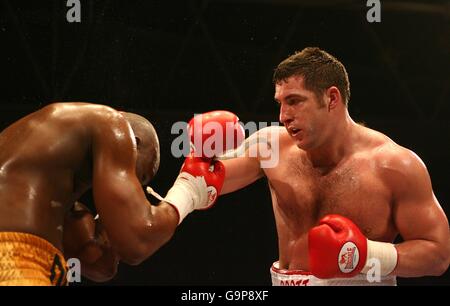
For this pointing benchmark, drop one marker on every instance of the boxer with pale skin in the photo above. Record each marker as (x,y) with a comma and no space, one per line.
(330,165)
(341,192)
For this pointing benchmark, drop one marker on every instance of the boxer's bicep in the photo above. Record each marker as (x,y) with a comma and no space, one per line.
(247,167)
(417,213)
(240,172)
(422,224)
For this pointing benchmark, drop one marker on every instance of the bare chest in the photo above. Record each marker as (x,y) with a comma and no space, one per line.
(302,195)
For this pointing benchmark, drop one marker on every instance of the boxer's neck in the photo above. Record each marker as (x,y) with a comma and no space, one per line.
(337,146)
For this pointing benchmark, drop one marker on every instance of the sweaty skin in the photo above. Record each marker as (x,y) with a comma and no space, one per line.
(54,155)
(328,164)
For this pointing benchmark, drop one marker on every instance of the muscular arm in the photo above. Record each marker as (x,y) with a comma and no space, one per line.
(135,228)
(261,150)
(240,172)
(419,219)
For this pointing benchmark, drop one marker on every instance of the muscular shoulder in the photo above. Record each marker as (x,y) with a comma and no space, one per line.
(272,134)
(403,173)
(392,157)
(398,166)
(272,138)
(80,111)
(93,123)
(96,118)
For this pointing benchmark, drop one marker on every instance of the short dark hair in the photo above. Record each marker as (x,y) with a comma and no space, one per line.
(319,69)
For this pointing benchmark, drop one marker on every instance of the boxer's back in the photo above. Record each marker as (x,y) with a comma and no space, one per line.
(45,165)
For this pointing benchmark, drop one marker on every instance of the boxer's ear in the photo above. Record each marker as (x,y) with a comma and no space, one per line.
(138,140)
(332,97)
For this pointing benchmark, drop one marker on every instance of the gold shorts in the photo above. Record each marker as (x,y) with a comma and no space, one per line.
(28,260)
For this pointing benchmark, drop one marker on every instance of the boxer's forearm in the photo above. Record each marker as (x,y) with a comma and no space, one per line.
(164,223)
(418,258)
(239,173)
(161,225)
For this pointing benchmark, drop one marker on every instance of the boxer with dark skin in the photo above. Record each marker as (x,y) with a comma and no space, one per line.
(51,157)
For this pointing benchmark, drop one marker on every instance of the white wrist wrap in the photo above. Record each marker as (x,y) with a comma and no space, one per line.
(187,193)
(382,253)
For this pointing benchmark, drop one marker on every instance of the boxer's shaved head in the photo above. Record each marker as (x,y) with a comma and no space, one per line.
(147,141)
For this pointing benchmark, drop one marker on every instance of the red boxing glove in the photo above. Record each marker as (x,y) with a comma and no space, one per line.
(213,133)
(213,173)
(337,248)
(197,186)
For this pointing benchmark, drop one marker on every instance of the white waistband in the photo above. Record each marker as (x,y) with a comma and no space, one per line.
(281,277)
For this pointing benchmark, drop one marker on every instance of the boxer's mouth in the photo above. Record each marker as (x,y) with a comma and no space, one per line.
(293,131)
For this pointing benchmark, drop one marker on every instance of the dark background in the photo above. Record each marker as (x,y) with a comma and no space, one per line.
(170,59)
